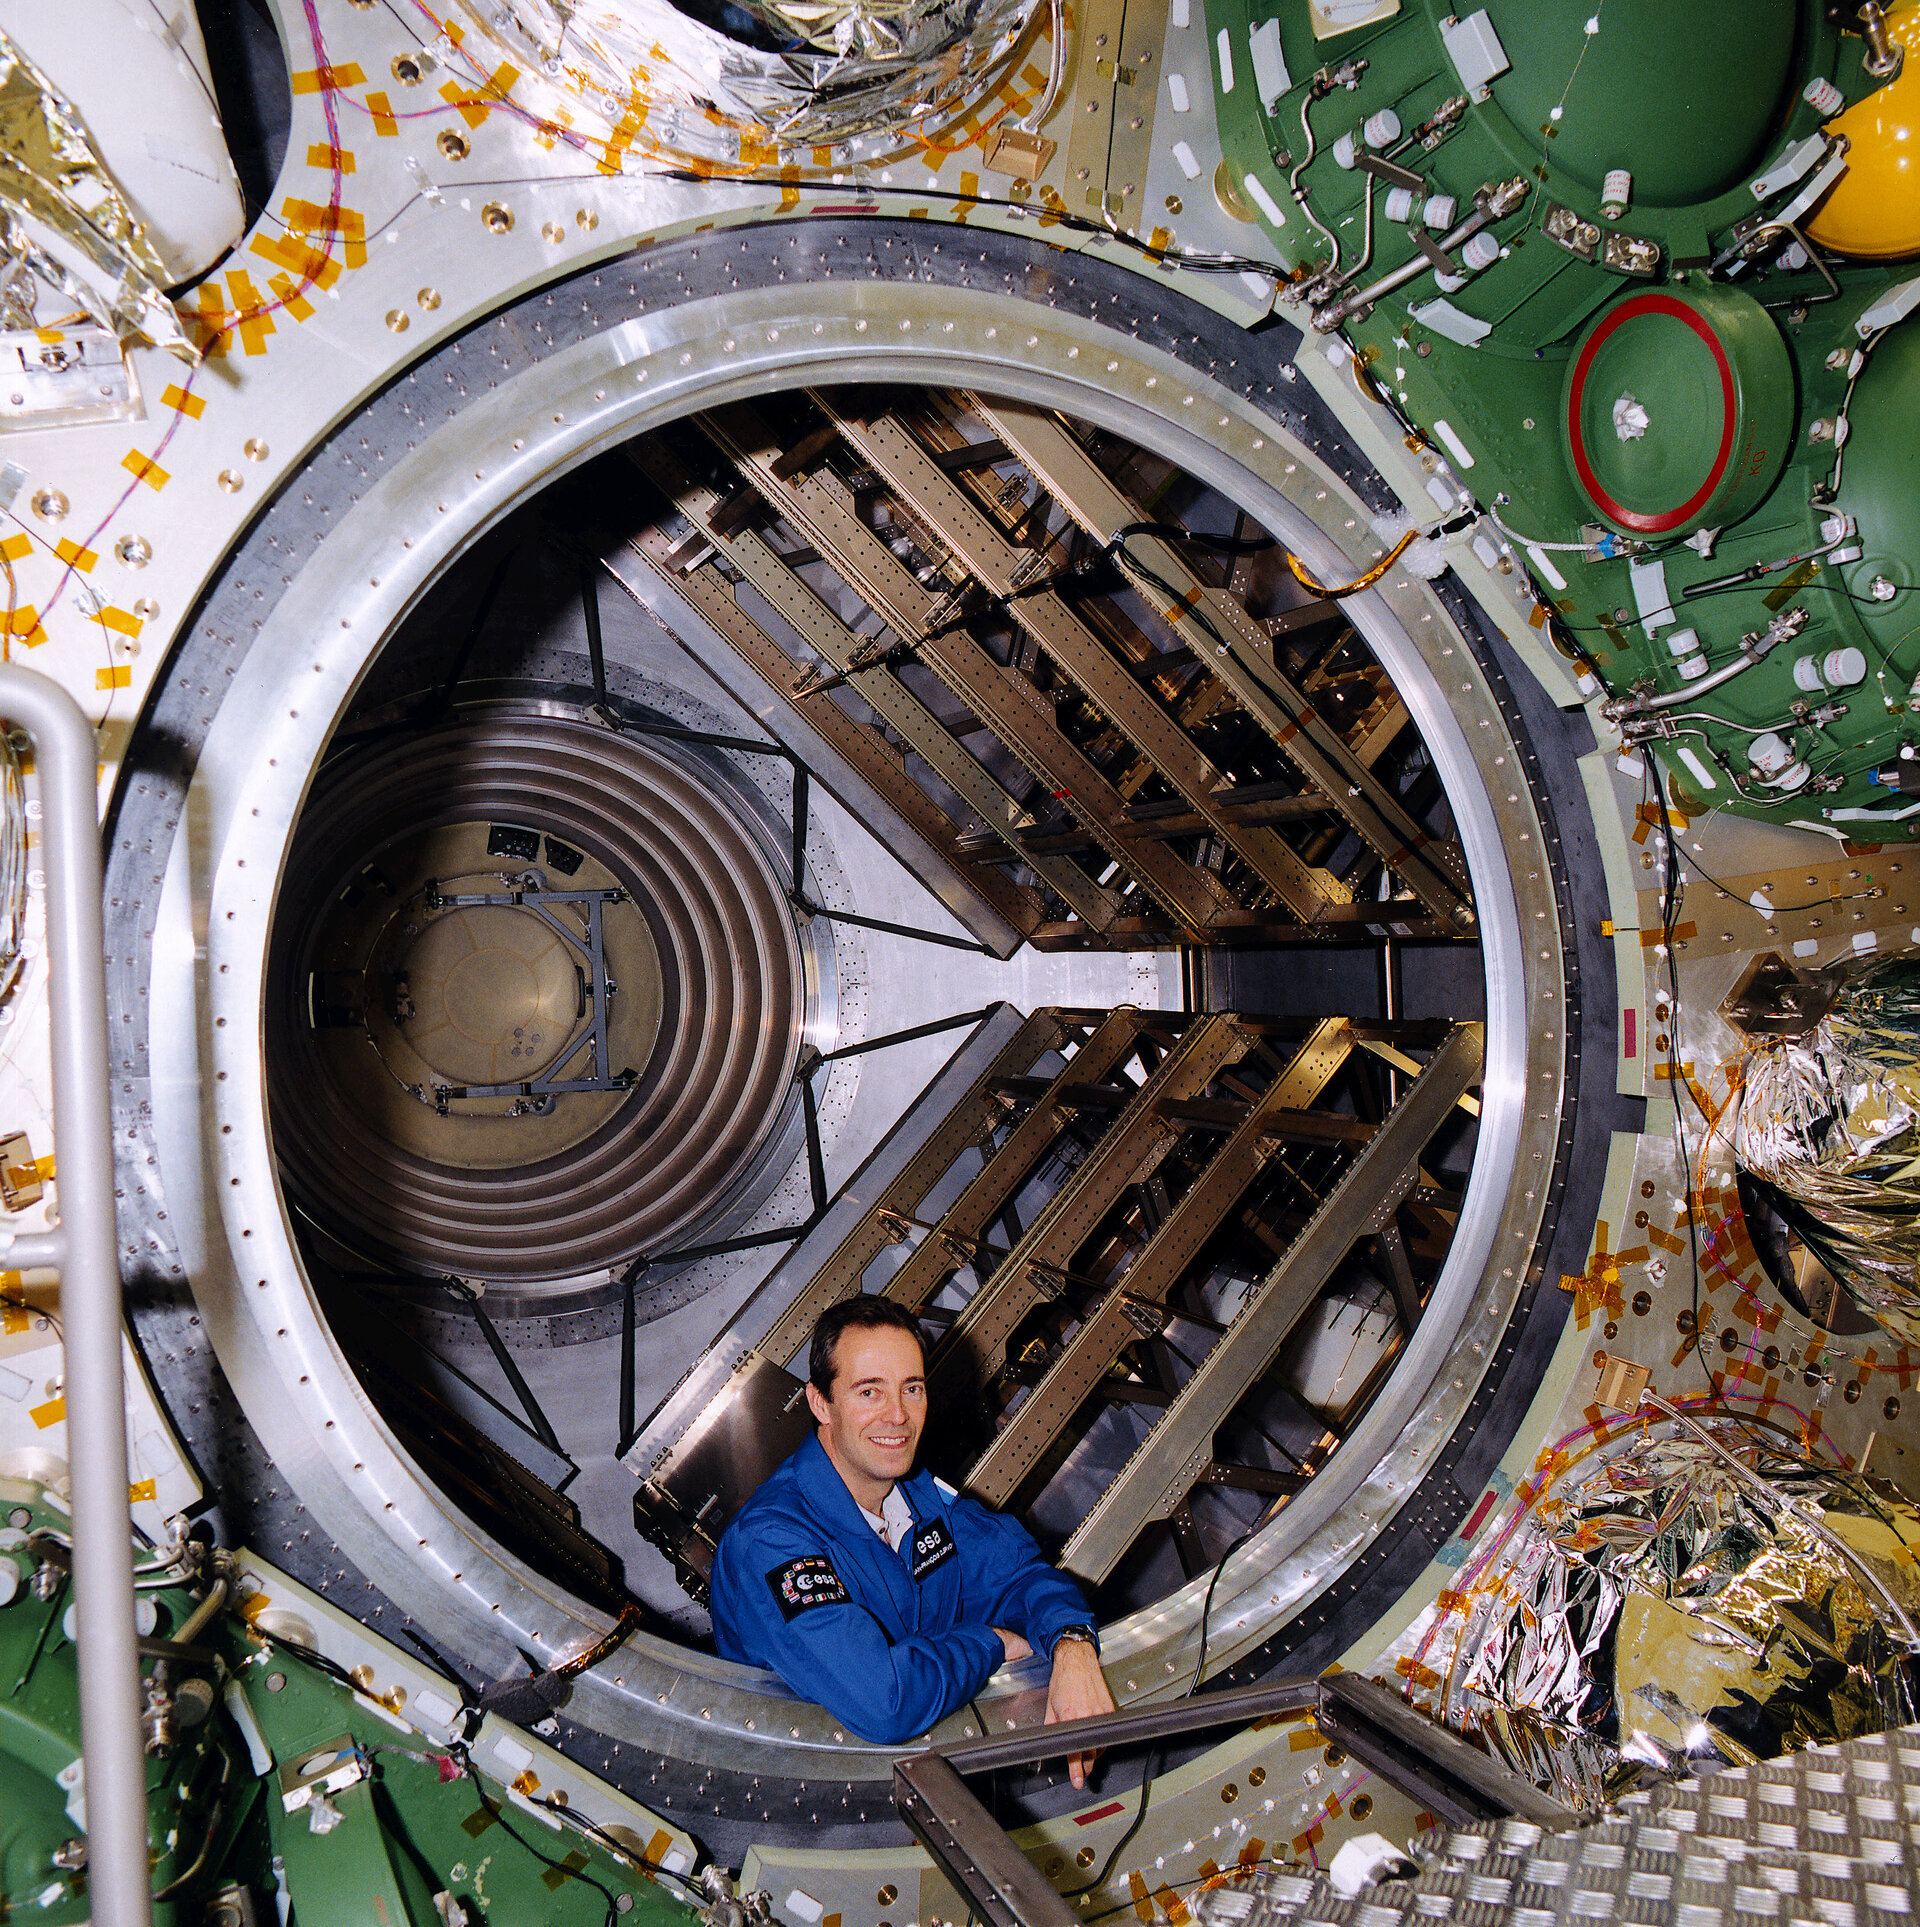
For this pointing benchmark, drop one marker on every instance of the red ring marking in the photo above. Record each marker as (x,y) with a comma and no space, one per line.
(1628,310)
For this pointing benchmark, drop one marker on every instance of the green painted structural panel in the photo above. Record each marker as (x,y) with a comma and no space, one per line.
(403,1837)
(1679,407)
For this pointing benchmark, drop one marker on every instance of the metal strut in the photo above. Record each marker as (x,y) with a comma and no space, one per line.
(1430,1764)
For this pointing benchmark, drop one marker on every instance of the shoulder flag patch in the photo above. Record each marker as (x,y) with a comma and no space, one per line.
(804,1583)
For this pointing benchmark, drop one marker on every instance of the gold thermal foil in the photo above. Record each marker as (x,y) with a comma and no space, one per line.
(1829,1122)
(762,82)
(64,217)
(1657,1611)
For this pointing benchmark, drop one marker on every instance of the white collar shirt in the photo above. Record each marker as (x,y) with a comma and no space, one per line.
(894,1520)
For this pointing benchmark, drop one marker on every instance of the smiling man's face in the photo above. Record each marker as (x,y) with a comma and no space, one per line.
(871,1425)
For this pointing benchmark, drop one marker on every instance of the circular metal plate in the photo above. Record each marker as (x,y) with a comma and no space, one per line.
(709,999)
(1678,409)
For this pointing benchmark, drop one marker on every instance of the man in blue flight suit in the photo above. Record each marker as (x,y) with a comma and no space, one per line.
(880,1592)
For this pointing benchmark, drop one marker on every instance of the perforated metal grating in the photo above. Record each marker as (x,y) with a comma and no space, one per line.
(1824,1838)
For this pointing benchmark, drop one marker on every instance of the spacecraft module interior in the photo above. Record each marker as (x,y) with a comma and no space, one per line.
(1218,692)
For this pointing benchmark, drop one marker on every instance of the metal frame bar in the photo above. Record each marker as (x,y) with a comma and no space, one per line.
(596,653)
(798,898)
(468,1401)
(839,1275)
(1420,1758)
(1158,735)
(862,750)
(629,1329)
(1019,715)
(957,1022)
(1436,875)
(542,1425)
(1001,1884)
(934,629)
(778,1318)
(83,1249)
(1128,1151)
(965,1221)
(1358,1206)
(1111,1327)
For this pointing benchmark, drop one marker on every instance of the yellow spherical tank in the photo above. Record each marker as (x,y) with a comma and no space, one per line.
(1874,211)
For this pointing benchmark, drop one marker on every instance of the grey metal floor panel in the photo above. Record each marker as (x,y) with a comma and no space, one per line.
(1829,1837)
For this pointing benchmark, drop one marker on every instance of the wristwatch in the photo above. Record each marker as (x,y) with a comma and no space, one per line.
(1084,1634)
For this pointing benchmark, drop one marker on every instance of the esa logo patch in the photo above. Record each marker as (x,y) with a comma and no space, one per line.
(932,1546)
(805,1582)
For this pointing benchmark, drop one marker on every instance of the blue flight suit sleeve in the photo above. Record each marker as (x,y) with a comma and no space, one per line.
(1005,1580)
(779,1602)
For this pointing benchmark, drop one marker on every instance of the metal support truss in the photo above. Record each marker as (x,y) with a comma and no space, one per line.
(1360,1205)
(1072,1225)
(1149,1281)
(1051,760)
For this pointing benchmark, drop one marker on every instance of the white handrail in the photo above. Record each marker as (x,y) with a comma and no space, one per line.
(83,1248)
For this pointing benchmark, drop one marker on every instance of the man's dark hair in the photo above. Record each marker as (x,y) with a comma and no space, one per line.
(862,1313)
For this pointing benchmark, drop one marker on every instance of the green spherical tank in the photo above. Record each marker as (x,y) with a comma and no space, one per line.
(1678,409)
(1687,94)
(1880,489)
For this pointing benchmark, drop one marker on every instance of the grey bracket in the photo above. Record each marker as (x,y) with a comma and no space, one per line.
(599,991)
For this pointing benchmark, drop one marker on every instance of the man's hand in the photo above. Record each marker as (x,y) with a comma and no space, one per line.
(1077,1691)
(1017,1648)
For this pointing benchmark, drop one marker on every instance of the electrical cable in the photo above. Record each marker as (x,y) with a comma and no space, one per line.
(1669,916)
(1151,1767)
(1779,910)
(1528,542)
(1175,532)
(1670,910)
(612,1844)
(1199,261)
(310,1656)
(1154,580)
(1056,65)
(1820,581)
(457,1749)
(1365,581)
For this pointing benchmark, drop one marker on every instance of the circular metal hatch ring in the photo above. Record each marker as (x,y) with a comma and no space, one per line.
(661,1160)
(705,322)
